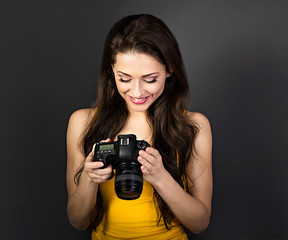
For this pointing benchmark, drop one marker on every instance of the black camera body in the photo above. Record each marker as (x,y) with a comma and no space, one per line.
(122,154)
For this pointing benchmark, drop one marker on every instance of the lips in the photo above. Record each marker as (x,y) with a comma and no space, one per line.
(139,100)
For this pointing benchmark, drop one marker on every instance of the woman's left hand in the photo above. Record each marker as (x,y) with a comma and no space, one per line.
(152,166)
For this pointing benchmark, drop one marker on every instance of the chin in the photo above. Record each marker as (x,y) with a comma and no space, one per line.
(139,110)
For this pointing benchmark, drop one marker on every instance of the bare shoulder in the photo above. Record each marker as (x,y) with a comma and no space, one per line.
(78,122)
(82,116)
(202,160)
(199,119)
(204,135)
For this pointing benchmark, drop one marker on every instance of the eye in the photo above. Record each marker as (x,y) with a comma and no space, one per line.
(124,80)
(151,81)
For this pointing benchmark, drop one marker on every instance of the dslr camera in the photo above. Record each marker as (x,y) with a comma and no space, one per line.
(122,154)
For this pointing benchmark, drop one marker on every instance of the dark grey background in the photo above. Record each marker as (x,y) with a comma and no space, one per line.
(236,54)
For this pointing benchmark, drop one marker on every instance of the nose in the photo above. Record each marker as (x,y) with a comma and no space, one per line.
(137,89)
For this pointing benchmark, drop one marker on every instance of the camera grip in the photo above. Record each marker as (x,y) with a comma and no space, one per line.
(105,159)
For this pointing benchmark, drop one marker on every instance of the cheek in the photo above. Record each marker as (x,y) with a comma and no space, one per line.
(122,89)
(158,89)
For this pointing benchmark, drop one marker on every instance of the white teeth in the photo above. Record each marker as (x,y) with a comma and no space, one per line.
(138,99)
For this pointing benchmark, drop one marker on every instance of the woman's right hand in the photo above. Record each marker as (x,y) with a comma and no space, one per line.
(93,169)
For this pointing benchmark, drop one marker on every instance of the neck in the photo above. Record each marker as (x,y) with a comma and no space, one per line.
(138,124)
(137,115)
(138,118)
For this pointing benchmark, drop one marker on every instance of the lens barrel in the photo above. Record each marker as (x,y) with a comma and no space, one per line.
(128,180)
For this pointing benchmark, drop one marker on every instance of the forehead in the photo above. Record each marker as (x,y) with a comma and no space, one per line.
(141,63)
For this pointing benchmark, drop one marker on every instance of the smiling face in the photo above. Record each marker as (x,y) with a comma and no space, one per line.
(140,79)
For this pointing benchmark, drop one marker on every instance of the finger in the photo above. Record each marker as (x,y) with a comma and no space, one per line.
(145,163)
(152,151)
(144,170)
(97,177)
(100,176)
(96,167)
(148,157)
(105,171)
(93,165)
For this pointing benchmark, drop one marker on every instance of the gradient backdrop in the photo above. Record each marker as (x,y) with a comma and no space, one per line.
(236,55)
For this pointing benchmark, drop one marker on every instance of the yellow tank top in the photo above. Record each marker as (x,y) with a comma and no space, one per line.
(133,219)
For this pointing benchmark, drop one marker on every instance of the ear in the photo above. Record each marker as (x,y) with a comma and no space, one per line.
(112,67)
(169,71)
(168,74)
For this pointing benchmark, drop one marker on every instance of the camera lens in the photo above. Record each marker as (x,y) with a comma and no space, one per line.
(128,180)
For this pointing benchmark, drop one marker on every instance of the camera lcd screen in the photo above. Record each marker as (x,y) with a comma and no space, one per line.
(106,147)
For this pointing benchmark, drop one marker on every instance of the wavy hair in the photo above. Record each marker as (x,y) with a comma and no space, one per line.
(173,134)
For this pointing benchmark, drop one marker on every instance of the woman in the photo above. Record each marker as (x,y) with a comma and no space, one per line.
(143,90)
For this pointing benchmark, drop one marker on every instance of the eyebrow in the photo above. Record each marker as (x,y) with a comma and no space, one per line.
(146,75)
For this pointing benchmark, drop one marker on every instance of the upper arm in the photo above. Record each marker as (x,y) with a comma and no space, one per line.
(77,124)
(200,165)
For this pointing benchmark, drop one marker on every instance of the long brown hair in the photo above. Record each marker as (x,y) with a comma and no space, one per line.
(173,134)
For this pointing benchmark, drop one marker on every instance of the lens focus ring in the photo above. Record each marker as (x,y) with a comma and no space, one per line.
(128,177)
